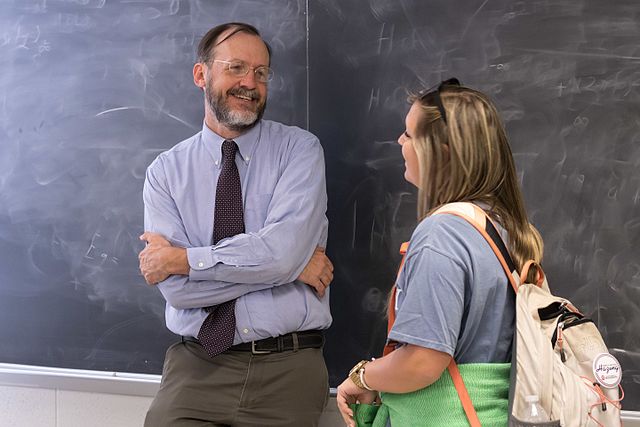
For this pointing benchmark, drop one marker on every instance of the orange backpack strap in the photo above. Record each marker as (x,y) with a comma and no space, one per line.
(465,399)
(525,272)
(481,222)
(391,310)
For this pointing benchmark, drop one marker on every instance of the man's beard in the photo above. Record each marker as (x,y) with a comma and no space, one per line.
(234,119)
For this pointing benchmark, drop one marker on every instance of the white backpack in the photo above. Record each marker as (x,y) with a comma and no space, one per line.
(557,352)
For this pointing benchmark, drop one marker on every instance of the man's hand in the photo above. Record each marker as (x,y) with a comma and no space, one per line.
(318,273)
(159,260)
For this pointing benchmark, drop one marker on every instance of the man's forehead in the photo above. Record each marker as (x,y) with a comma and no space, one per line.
(224,36)
(233,34)
(231,46)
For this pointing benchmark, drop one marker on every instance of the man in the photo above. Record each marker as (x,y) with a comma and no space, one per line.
(251,348)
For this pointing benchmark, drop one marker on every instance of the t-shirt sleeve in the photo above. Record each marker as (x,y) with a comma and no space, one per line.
(431,301)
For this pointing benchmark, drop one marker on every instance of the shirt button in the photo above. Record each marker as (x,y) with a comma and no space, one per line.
(245,330)
(201,264)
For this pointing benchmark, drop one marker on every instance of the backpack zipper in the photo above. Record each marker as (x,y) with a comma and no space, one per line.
(563,325)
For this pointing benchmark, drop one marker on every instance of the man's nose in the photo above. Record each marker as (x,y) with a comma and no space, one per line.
(249,80)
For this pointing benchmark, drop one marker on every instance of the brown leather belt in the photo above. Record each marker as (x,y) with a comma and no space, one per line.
(292,341)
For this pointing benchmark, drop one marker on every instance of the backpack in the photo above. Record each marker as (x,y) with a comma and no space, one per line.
(557,352)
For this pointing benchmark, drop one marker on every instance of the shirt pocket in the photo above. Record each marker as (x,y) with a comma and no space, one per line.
(256,208)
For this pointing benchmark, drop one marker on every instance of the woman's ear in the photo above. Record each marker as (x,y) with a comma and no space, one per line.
(199,78)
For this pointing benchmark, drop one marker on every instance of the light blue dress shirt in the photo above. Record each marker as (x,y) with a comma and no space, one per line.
(284,194)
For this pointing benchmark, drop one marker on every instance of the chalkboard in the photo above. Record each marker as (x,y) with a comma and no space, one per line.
(566,77)
(92,90)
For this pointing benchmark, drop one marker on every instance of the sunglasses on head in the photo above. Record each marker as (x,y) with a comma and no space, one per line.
(433,95)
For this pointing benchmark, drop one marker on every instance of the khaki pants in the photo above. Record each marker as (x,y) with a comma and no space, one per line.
(238,388)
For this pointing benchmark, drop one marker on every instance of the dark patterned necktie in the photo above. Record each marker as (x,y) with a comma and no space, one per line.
(217,332)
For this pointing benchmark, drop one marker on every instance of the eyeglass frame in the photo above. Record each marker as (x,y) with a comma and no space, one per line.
(435,95)
(270,71)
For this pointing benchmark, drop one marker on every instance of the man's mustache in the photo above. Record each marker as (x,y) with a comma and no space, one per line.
(248,93)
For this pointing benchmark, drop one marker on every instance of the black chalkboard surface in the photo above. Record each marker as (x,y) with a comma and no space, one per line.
(91,91)
(566,77)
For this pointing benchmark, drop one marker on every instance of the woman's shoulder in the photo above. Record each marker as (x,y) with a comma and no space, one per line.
(447,234)
(441,226)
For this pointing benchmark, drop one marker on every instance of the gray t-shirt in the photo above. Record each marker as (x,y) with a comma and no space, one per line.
(453,296)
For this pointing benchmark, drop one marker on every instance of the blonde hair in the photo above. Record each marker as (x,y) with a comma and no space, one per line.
(468,159)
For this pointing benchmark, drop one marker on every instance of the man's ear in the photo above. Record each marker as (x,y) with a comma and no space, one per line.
(199,78)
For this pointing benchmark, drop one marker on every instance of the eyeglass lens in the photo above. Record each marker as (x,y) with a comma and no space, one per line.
(240,69)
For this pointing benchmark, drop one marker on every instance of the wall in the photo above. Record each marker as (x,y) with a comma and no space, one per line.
(69,402)
(50,397)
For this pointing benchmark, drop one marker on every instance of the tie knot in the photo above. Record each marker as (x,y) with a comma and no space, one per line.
(229,149)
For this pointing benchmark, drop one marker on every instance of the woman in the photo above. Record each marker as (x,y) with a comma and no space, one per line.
(452,296)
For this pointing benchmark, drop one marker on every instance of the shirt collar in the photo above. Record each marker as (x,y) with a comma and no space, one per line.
(245,142)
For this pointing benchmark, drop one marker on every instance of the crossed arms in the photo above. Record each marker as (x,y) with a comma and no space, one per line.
(159,260)
(283,250)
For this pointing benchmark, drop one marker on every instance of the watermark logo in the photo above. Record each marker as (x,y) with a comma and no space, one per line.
(607,370)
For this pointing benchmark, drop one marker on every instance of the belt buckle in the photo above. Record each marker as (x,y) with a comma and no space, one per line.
(254,351)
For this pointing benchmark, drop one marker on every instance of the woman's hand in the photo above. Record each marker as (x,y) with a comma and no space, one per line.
(349,393)
(407,369)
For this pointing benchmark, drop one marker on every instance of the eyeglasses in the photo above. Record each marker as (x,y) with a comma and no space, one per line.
(433,96)
(240,69)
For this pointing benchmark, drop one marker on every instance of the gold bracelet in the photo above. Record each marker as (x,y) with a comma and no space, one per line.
(364,384)
(354,373)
